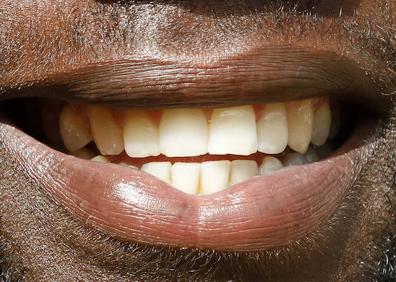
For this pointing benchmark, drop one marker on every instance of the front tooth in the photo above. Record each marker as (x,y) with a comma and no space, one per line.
(292,159)
(74,129)
(161,170)
(321,125)
(107,134)
(185,177)
(300,119)
(270,165)
(233,131)
(183,132)
(100,159)
(242,170)
(140,134)
(272,131)
(214,176)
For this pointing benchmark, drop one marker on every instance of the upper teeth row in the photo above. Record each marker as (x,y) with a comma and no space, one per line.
(241,130)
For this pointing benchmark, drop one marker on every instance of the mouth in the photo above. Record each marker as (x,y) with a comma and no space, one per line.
(253,167)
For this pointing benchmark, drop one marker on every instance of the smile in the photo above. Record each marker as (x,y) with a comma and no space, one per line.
(237,176)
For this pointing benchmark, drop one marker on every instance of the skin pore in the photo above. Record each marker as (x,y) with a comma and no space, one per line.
(42,42)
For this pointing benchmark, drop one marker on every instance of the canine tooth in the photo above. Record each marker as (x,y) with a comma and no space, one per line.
(242,170)
(161,170)
(140,134)
(84,154)
(185,177)
(311,156)
(300,119)
(233,131)
(272,131)
(107,134)
(321,124)
(74,129)
(292,159)
(270,165)
(183,132)
(100,159)
(214,176)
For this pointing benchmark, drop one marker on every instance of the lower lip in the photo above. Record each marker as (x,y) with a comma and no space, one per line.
(261,213)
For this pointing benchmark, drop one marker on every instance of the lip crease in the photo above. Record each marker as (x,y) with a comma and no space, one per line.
(130,205)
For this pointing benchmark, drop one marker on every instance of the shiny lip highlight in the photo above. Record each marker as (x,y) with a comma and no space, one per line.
(261,213)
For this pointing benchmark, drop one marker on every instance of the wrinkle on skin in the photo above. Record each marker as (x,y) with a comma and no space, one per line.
(40,241)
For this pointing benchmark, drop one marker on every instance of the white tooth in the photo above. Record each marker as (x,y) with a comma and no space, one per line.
(214,176)
(272,131)
(84,154)
(183,132)
(270,165)
(106,132)
(233,131)
(161,170)
(321,124)
(242,170)
(128,165)
(140,134)
(299,120)
(100,159)
(311,156)
(185,177)
(74,129)
(294,159)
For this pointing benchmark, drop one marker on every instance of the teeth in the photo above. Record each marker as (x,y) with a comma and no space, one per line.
(272,131)
(84,154)
(128,165)
(214,176)
(100,159)
(161,170)
(242,170)
(140,135)
(74,129)
(300,119)
(233,131)
(321,125)
(186,133)
(311,156)
(107,134)
(294,159)
(183,132)
(185,177)
(270,165)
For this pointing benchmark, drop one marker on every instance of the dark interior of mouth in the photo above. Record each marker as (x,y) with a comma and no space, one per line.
(197,150)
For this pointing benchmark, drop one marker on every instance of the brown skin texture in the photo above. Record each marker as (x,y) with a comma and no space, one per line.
(41,242)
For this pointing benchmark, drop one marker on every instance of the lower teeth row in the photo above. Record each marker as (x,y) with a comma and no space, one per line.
(213,176)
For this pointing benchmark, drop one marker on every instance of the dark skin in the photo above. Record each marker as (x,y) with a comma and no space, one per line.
(40,241)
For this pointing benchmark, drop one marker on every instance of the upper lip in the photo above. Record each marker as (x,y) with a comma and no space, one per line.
(266,74)
(265,212)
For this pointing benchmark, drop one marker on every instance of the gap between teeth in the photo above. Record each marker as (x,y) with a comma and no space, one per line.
(240,130)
